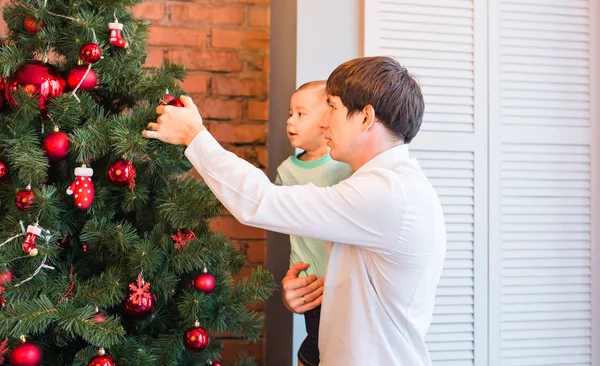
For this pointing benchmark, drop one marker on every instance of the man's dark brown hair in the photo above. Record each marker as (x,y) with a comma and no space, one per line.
(383,83)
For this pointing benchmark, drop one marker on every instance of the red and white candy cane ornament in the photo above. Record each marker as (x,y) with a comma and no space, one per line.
(33,231)
(82,187)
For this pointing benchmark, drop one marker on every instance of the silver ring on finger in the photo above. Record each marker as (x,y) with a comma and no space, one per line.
(304,299)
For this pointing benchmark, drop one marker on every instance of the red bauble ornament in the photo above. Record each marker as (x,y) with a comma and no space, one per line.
(27,353)
(2,302)
(32,26)
(90,53)
(101,359)
(99,317)
(56,145)
(25,199)
(2,98)
(116,36)
(82,187)
(205,282)
(78,73)
(169,99)
(37,78)
(122,172)
(33,231)
(195,339)
(215,363)
(3,170)
(141,301)
(182,237)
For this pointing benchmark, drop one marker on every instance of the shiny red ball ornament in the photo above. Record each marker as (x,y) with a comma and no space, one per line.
(3,170)
(25,199)
(36,78)
(90,53)
(195,339)
(141,301)
(101,359)
(99,317)
(56,145)
(205,282)
(32,26)
(215,363)
(169,99)
(77,74)
(122,172)
(27,353)
(2,98)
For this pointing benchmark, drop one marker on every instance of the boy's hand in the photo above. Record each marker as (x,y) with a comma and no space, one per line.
(301,294)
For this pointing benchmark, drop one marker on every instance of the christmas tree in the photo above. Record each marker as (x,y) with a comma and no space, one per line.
(106,257)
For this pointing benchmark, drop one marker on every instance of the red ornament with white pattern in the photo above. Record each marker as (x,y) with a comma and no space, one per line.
(116,34)
(33,231)
(82,187)
(25,199)
(102,359)
(141,301)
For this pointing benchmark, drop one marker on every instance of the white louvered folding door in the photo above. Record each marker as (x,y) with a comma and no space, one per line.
(508,143)
(436,40)
(540,190)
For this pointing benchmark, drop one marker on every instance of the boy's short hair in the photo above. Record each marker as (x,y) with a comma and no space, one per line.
(383,83)
(312,84)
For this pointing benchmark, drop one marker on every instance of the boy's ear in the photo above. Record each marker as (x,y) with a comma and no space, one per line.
(368,113)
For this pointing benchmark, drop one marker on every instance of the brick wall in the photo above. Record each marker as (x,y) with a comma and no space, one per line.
(224,46)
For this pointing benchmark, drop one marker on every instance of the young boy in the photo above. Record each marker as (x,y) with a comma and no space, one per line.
(308,106)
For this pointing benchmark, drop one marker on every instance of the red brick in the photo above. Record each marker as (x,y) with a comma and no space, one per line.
(240,39)
(192,14)
(244,1)
(237,86)
(152,10)
(155,57)
(232,228)
(239,133)
(258,16)
(174,36)
(258,110)
(256,251)
(245,152)
(254,62)
(261,155)
(195,83)
(194,59)
(213,108)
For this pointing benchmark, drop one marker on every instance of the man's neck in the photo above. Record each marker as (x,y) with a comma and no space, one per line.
(373,148)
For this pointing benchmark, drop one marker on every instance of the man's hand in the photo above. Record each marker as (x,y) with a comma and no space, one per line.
(301,294)
(176,125)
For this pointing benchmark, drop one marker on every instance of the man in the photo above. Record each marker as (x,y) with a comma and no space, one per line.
(385,222)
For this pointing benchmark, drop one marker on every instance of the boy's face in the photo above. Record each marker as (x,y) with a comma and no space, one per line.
(307,108)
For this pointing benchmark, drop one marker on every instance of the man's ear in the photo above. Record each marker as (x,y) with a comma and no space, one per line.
(368,113)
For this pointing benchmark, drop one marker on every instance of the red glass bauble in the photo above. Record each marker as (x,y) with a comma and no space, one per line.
(101,359)
(195,339)
(143,307)
(122,172)
(2,97)
(32,26)
(176,103)
(25,199)
(56,145)
(215,363)
(76,75)
(3,170)
(36,78)
(205,282)
(26,354)
(90,53)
